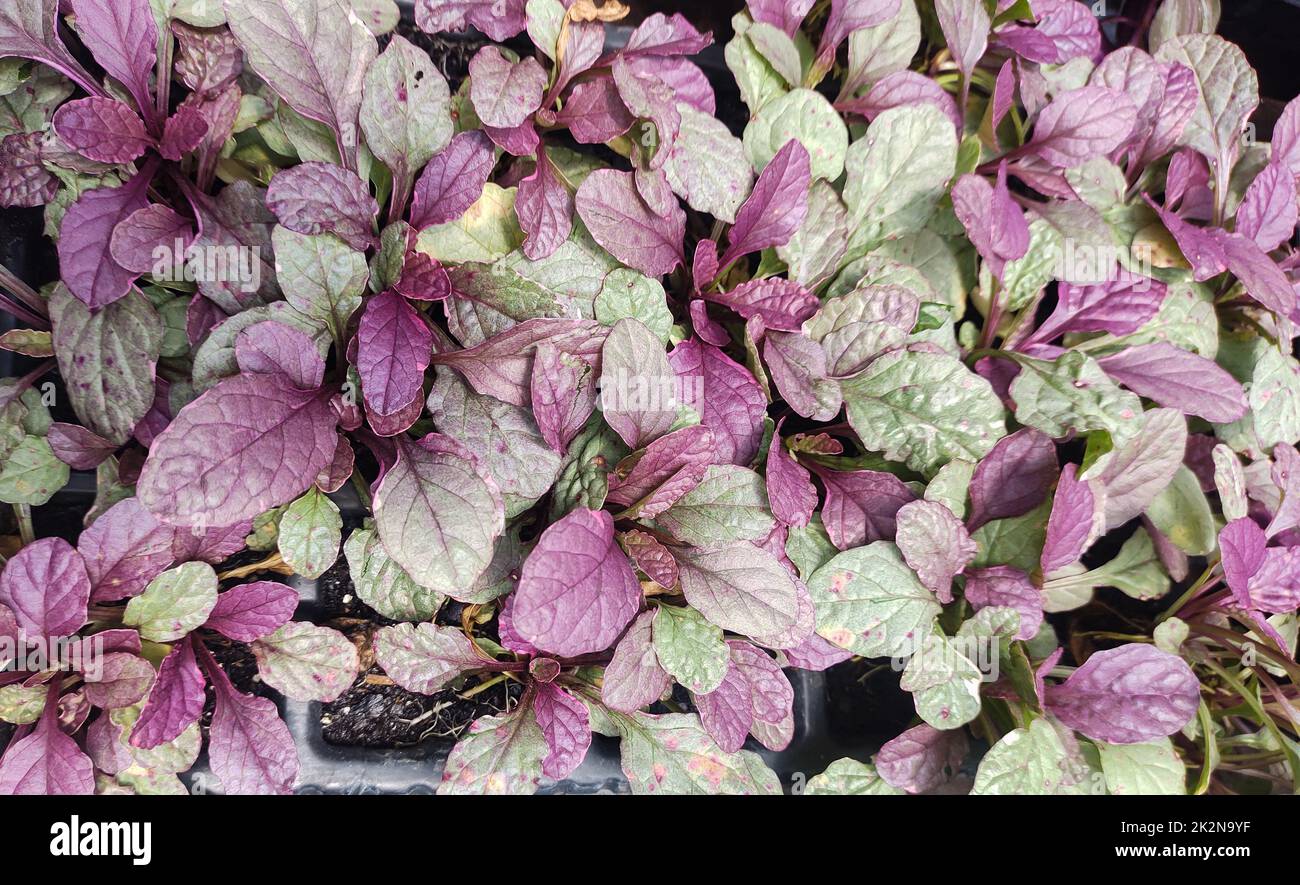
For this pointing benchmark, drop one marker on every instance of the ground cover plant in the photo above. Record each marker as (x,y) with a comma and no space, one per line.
(982,322)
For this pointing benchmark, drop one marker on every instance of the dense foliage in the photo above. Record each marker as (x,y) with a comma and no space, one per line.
(980,319)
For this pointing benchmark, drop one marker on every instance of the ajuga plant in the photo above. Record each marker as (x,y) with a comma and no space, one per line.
(982,324)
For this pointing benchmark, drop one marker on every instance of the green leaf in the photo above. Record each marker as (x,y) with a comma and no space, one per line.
(849,777)
(869,602)
(629,293)
(384,585)
(584,481)
(175,603)
(809,547)
(808,117)
(504,437)
(406,108)
(673,755)
(707,166)
(486,231)
(20,704)
(690,649)
(1026,762)
(500,755)
(924,409)
(813,253)
(1182,514)
(1274,398)
(951,486)
(1017,541)
(502,289)
(944,683)
(729,505)
(107,359)
(322,277)
(899,171)
(31,473)
(1228,94)
(306,662)
(1025,277)
(758,81)
(1072,393)
(1150,769)
(310,531)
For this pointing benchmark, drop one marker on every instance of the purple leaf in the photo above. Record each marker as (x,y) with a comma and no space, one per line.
(394,347)
(1268,212)
(651,557)
(620,221)
(900,89)
(499,19)
(775,208)
(502,366)
(1242,546)
(680,454)
(576,589)
(798,366)
(582,49)
(705,265)
(143,233)
(424,657)
(339,470)
(594,113)
(207,59)
(709,329)
(633,677)
(250,443)
(1263,280)
(102,129)
(124,549)
(688,82)
(782,304)
(1203,248)
(789,487)
(744,589)
(965,26)
(504,93)
(1120,306)
(1178,379)
(24,180)
(249,746)
(992,219)
(847,16)
(921,759)
(1081,124)
(861,506)
(565,723)
(934,543)
(1013,478)
(728,399)
(423,278)
(1275,587)
(1066,30)
(212,545)
(563,395)
(518,141)
(637,385)
(47,762)
(1286,138)
(122,680)
(727,712)
(85,259)
(659,34)
(1078,518)
(453,180)
(770,691)
(273,348)
(317,198)
(123,37)
(46,587)
(313,55)
(649,98)
(545,209)
(174,702)
(183,132)
(816,654)
(1002,585)
(1127,695)
(251,611)
(78,447)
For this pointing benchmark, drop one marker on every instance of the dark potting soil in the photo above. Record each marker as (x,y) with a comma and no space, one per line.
(377,715)
(863,701)
(237,660)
